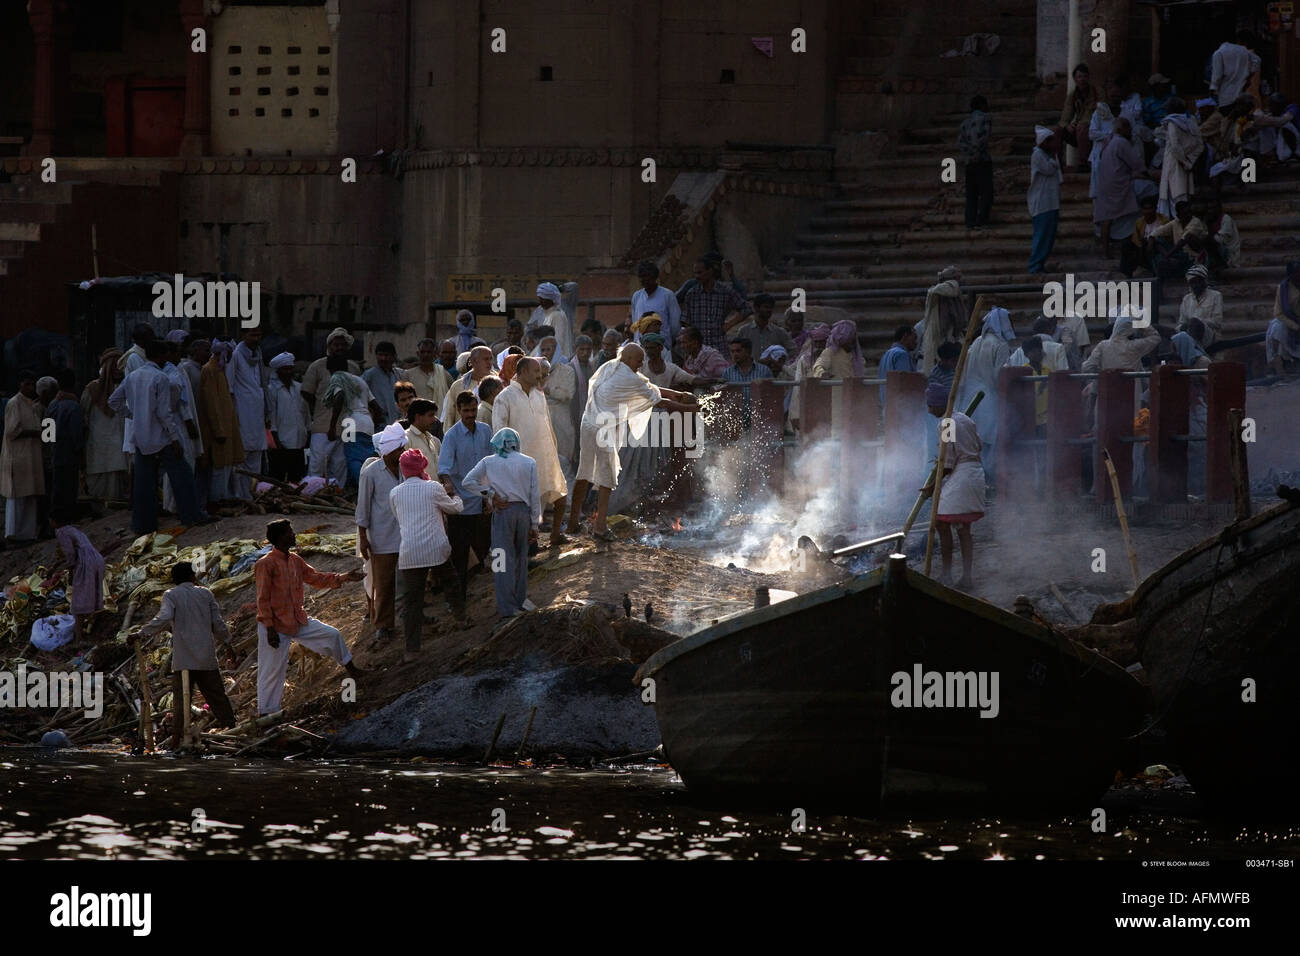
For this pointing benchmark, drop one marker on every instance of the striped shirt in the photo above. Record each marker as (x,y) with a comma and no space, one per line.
(736,375)
(417,504)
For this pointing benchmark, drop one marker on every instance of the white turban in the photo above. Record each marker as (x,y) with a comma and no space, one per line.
(1041,133)
(281,360)
(340,332)
(548,290)
(390,439)
(462,362)
(774,352)
(177,336)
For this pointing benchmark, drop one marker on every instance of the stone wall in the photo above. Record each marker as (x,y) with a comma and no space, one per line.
(301,235)
(621,74)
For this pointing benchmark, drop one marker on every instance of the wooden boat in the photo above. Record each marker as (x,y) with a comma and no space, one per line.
(1224,612)
(796,701)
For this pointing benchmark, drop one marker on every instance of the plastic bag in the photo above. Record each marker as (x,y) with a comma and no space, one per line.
(49,633)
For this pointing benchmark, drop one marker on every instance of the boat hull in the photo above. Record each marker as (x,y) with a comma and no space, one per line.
(1217,626)
(797,702)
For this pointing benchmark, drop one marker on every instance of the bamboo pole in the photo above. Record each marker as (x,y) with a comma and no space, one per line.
(1123,518)
(492,746)
(971,326)
(1240,469)
(186,740)
(527,730)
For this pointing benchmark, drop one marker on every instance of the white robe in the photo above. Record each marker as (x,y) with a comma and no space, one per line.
(984,362)
(962,491)
(561,386)
(1183,146)
(558,320)
(248,388)
(527,414)
(619,404)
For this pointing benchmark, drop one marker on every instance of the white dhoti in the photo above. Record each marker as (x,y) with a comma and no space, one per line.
(273,662)
(598,460)
(619,403)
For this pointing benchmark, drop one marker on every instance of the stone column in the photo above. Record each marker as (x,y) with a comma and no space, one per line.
(1111,16)
(48,19)
(198,76)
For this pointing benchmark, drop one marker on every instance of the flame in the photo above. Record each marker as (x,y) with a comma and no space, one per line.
(677,524)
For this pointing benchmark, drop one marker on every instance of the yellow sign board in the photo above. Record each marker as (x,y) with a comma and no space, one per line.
(477,287)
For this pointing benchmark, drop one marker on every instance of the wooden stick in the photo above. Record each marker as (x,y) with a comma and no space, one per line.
(1123,518)
(1060,599)
(146,695)
(487,754)
(1240,467)
(186,740)
(971,326)
(527,729)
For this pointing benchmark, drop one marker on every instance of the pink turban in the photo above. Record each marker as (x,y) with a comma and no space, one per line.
(413,464)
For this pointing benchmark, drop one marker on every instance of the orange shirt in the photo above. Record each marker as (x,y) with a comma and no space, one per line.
(279,578)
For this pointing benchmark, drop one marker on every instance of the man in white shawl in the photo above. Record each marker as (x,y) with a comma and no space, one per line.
(988,353)
(521,406)
(550,312)
(480,367)
(561,385)
(945,317)
(1183,146)
(619,403)
(246,376)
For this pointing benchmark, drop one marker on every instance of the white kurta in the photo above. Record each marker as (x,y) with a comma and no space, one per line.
(1183,146)
(619,403)
(244,375)
(561,386)
(558,320)
(984,362)
(528,415)
(962,491)
(103,439)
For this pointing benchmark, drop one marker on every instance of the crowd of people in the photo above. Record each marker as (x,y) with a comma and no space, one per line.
(1152,161)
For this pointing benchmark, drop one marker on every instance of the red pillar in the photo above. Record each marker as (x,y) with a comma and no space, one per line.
(1016,422)
(905,438)
(1166,457)
(50,78)
(1114,422)
(196,141)
(815,409)
(768,418)
(861,415)
(1064,422)
(1226,389)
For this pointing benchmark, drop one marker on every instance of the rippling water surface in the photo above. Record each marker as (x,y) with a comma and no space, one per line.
(84,805)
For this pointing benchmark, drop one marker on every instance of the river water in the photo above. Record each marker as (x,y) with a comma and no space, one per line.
(98,805)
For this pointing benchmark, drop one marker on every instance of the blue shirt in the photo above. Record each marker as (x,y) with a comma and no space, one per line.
(461,451)
(734,374)
(897,359)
